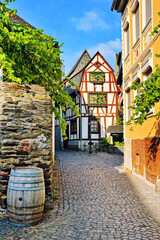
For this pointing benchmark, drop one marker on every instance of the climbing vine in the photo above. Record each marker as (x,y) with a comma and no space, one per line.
(28,56)
(149,93)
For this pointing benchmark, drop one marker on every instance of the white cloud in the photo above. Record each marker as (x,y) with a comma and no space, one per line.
(108,50)
(90,20)
(117,44)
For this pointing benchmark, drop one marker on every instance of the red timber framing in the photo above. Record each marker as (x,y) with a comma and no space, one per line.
(105,113)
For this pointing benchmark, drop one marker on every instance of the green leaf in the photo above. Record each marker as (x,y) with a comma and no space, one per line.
(28,56)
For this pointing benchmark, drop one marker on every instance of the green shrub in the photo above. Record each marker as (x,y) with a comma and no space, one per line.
(118,143)
(105,142)
(84,147)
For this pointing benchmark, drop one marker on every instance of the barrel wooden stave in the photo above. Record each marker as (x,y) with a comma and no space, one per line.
(26,205)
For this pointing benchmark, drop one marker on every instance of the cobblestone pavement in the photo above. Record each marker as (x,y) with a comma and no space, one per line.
(98,200)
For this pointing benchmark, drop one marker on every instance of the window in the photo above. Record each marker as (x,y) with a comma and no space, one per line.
(147,75)
(74,126)
(127,41)
(97,99)
(146,15)
(137,30)
(136,21)
(137,91)
(97,77)
(74,98)
(94,125)
(128,103)
(97,64)
(136,24)
(148,9)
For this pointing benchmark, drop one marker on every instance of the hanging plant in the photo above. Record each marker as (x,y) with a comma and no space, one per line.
(28,56)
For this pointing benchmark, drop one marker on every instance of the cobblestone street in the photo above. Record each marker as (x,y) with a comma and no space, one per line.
(98,200)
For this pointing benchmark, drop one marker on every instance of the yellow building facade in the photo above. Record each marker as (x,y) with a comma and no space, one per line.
(142,145)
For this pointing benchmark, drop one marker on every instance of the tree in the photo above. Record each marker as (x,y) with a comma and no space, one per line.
(28,56)
(149,93)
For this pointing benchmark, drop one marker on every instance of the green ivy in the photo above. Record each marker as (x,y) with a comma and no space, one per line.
(28,56)
(149,94)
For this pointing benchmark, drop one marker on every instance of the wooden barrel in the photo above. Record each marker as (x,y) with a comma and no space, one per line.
(25,195)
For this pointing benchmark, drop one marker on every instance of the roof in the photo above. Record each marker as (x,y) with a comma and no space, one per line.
(18,20)
(77,76)
(115,129)
(77,79)
(80,64)
(119,5)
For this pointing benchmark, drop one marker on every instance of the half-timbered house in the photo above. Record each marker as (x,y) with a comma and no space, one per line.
(97,98)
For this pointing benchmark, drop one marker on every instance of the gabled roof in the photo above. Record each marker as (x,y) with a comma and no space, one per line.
(98,53)
(76,76)
(80,64)
(76,79)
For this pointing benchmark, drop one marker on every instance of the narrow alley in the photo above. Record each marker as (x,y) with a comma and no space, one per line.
(97,200)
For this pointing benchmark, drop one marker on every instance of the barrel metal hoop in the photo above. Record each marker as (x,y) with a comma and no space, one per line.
(25,189)
(24,208)
(25,182)
(23,171)
(18,175)
(25,214)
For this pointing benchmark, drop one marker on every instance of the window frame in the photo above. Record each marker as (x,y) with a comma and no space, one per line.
(98,94)
(73,126)
(145,16)
(96,73)
(136,92)
(136,22)
(127,39)
(147,74)
(148,9)
(98,127)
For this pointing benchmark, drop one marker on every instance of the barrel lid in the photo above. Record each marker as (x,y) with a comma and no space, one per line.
(27,170)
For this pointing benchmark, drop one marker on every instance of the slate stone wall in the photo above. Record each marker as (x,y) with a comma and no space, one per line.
(25,132)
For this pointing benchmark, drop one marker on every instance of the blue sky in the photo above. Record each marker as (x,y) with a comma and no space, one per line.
(80,25)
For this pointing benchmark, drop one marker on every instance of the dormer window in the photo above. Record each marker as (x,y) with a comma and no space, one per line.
(97,77)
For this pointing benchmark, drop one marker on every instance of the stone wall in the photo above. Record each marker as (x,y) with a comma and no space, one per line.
(25,132)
